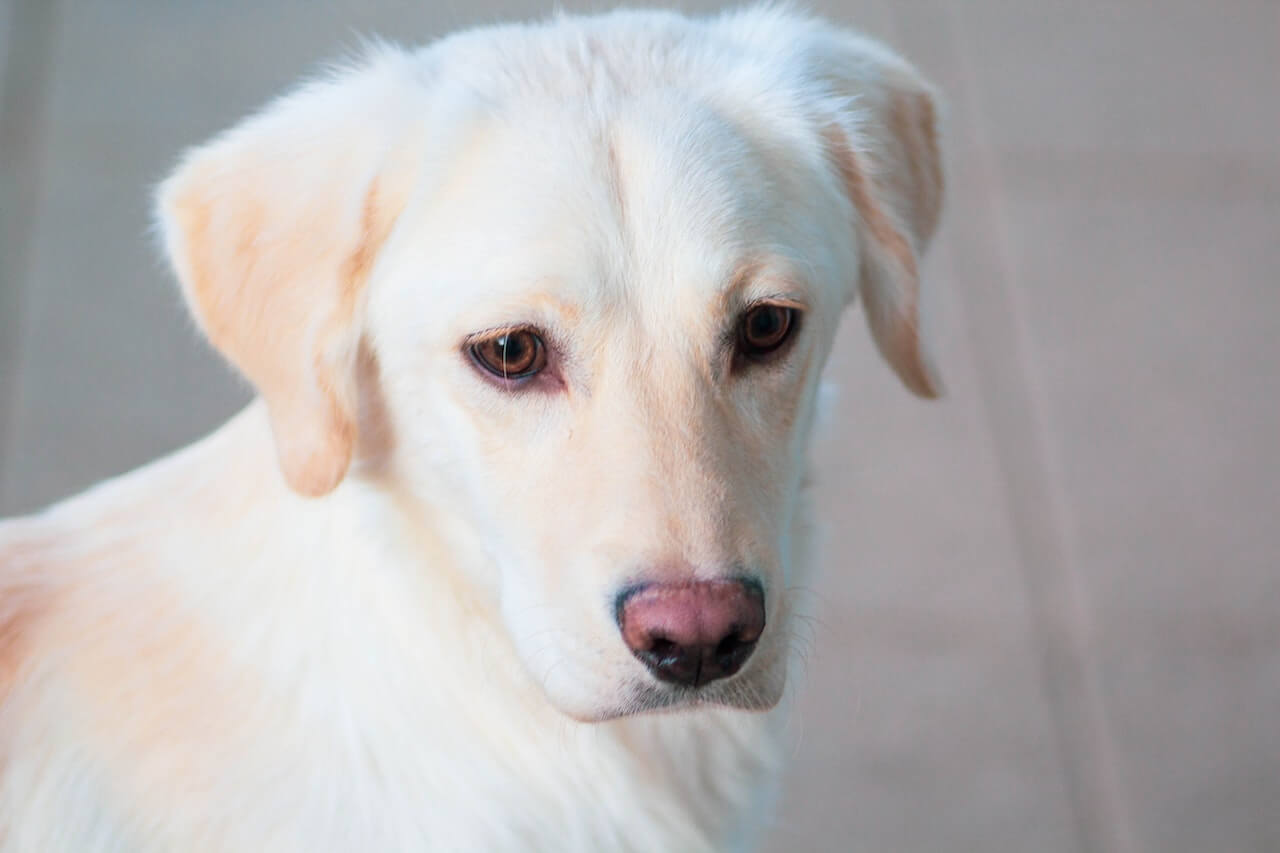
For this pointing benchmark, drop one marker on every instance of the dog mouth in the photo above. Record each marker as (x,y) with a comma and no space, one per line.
(758,690)
(744,694)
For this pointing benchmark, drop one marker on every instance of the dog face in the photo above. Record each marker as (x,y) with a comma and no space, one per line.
(618,351)
(591,271)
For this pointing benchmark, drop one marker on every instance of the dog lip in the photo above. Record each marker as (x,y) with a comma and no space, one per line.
(650,698)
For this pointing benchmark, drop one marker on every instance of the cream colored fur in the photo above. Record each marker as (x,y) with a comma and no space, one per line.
(374,610)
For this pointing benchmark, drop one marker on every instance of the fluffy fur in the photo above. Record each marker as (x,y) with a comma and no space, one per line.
(374,610)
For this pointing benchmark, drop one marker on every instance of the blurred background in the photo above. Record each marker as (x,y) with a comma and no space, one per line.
(1050,610)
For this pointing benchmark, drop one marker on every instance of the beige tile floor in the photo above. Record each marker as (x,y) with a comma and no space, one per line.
(1051,604)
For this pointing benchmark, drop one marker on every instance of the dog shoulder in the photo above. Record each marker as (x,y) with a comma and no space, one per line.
(27,584)
(50,565)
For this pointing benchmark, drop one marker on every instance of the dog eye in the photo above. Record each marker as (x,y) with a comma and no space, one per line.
(516,354)
(764,329)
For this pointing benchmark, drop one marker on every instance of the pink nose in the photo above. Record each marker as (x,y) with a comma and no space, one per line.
(692,633)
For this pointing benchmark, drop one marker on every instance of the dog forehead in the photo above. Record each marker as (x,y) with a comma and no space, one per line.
(652,206)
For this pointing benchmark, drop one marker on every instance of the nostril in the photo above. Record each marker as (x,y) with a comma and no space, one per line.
(662,648)
(730,644)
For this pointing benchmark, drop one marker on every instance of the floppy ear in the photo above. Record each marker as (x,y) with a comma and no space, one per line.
(887,155)
(272,229)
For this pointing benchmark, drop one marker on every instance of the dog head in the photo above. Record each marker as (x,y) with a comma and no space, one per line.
(594,268)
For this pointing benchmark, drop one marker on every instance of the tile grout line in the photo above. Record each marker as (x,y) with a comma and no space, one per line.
(23,92)
(1015,404)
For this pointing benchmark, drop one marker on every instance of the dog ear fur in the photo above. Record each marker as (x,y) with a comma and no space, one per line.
(273,229)
(890,164)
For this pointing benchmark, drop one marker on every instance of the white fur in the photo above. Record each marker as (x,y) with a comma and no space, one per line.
(420,653)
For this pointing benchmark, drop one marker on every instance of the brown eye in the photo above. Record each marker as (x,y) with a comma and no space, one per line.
(516,354)
(765,328)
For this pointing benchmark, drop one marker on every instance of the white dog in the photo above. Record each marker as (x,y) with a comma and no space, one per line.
(536,316)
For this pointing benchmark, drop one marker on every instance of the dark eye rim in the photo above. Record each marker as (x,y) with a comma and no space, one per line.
(472,346)
(744,350)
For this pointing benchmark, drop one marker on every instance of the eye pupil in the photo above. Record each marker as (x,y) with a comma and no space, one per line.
(765,324)
(511,355)
(511,347)
(764,329)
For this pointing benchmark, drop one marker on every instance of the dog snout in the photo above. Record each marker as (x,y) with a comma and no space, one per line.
(695,632)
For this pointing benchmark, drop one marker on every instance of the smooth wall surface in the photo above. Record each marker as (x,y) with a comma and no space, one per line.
(1050,616)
